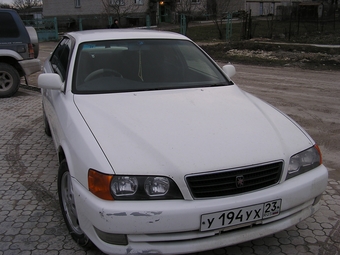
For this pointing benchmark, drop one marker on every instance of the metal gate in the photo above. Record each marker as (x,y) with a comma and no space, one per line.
(47,29)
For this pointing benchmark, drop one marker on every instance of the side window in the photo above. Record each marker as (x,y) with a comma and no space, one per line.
(10,30)
(60,57)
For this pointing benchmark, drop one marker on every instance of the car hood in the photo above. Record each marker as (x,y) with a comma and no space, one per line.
(185,131)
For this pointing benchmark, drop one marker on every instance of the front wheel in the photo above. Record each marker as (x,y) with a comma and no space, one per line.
(47,128)
(68,206)
(9,80)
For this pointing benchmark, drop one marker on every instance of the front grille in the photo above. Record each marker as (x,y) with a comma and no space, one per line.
(234,181)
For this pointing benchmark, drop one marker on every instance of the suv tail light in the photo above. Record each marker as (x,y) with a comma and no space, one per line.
(30,50)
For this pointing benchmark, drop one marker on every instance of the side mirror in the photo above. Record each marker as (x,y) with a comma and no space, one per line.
(229,70)
(50,81)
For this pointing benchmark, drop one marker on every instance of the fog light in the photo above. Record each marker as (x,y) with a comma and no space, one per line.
(116,239)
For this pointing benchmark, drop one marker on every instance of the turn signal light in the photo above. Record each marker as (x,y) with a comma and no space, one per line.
(99,184)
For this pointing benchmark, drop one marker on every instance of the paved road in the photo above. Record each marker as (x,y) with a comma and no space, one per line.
(30,219)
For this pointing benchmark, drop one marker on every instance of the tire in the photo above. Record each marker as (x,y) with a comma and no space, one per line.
(68,207)
(9,80)
(47,128)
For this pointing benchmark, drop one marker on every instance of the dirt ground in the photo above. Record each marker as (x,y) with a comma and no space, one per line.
(311,98)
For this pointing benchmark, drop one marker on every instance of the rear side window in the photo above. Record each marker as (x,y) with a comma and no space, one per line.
(8,27)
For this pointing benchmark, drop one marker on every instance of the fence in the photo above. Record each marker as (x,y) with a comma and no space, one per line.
(290,27)
(47,29)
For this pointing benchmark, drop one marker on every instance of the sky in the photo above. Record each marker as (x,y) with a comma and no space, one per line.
(6,1)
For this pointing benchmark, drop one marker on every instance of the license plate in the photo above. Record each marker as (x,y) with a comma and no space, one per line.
(239,216)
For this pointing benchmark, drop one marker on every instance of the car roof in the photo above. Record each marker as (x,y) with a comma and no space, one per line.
(117,34)
(7,10)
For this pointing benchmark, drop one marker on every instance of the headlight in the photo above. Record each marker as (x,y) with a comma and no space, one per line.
(304,161)
(127,187)
(124,186)
(156,186)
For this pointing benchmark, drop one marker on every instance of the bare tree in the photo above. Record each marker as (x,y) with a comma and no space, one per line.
(120,8)
(26,4)
(219,10)
(190,8)
(5,6)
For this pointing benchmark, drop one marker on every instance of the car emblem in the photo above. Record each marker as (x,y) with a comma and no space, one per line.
(239,181)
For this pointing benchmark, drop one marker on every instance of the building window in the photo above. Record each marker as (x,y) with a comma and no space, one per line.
(77,3)
(261,8)
(139,2)
(117,2)
(272,8)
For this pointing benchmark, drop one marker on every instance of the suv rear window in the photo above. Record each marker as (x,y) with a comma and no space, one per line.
(10,30)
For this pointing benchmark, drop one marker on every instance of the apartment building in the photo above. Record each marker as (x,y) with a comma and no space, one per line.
(133,12)
(130,13)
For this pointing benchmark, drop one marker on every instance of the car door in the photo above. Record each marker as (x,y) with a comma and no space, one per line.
(55,101)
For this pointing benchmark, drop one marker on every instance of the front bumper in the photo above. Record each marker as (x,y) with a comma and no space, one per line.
(172,226)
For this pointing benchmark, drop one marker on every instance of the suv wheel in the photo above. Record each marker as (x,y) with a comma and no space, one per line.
(9,80)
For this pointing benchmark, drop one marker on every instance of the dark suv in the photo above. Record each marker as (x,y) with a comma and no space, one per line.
(19,49)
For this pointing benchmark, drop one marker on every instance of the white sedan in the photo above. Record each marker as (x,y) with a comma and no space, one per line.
(161,153)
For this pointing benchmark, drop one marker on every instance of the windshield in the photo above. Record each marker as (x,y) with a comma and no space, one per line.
(138,65)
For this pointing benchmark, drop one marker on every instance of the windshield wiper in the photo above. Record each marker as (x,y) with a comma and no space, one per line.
(220,84)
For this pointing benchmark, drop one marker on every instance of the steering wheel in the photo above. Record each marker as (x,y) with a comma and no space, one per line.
(101,73)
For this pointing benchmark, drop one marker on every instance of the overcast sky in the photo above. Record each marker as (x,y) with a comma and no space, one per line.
(6,1)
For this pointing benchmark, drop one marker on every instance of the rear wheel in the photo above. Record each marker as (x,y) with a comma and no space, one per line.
(9,80)
(68,206)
